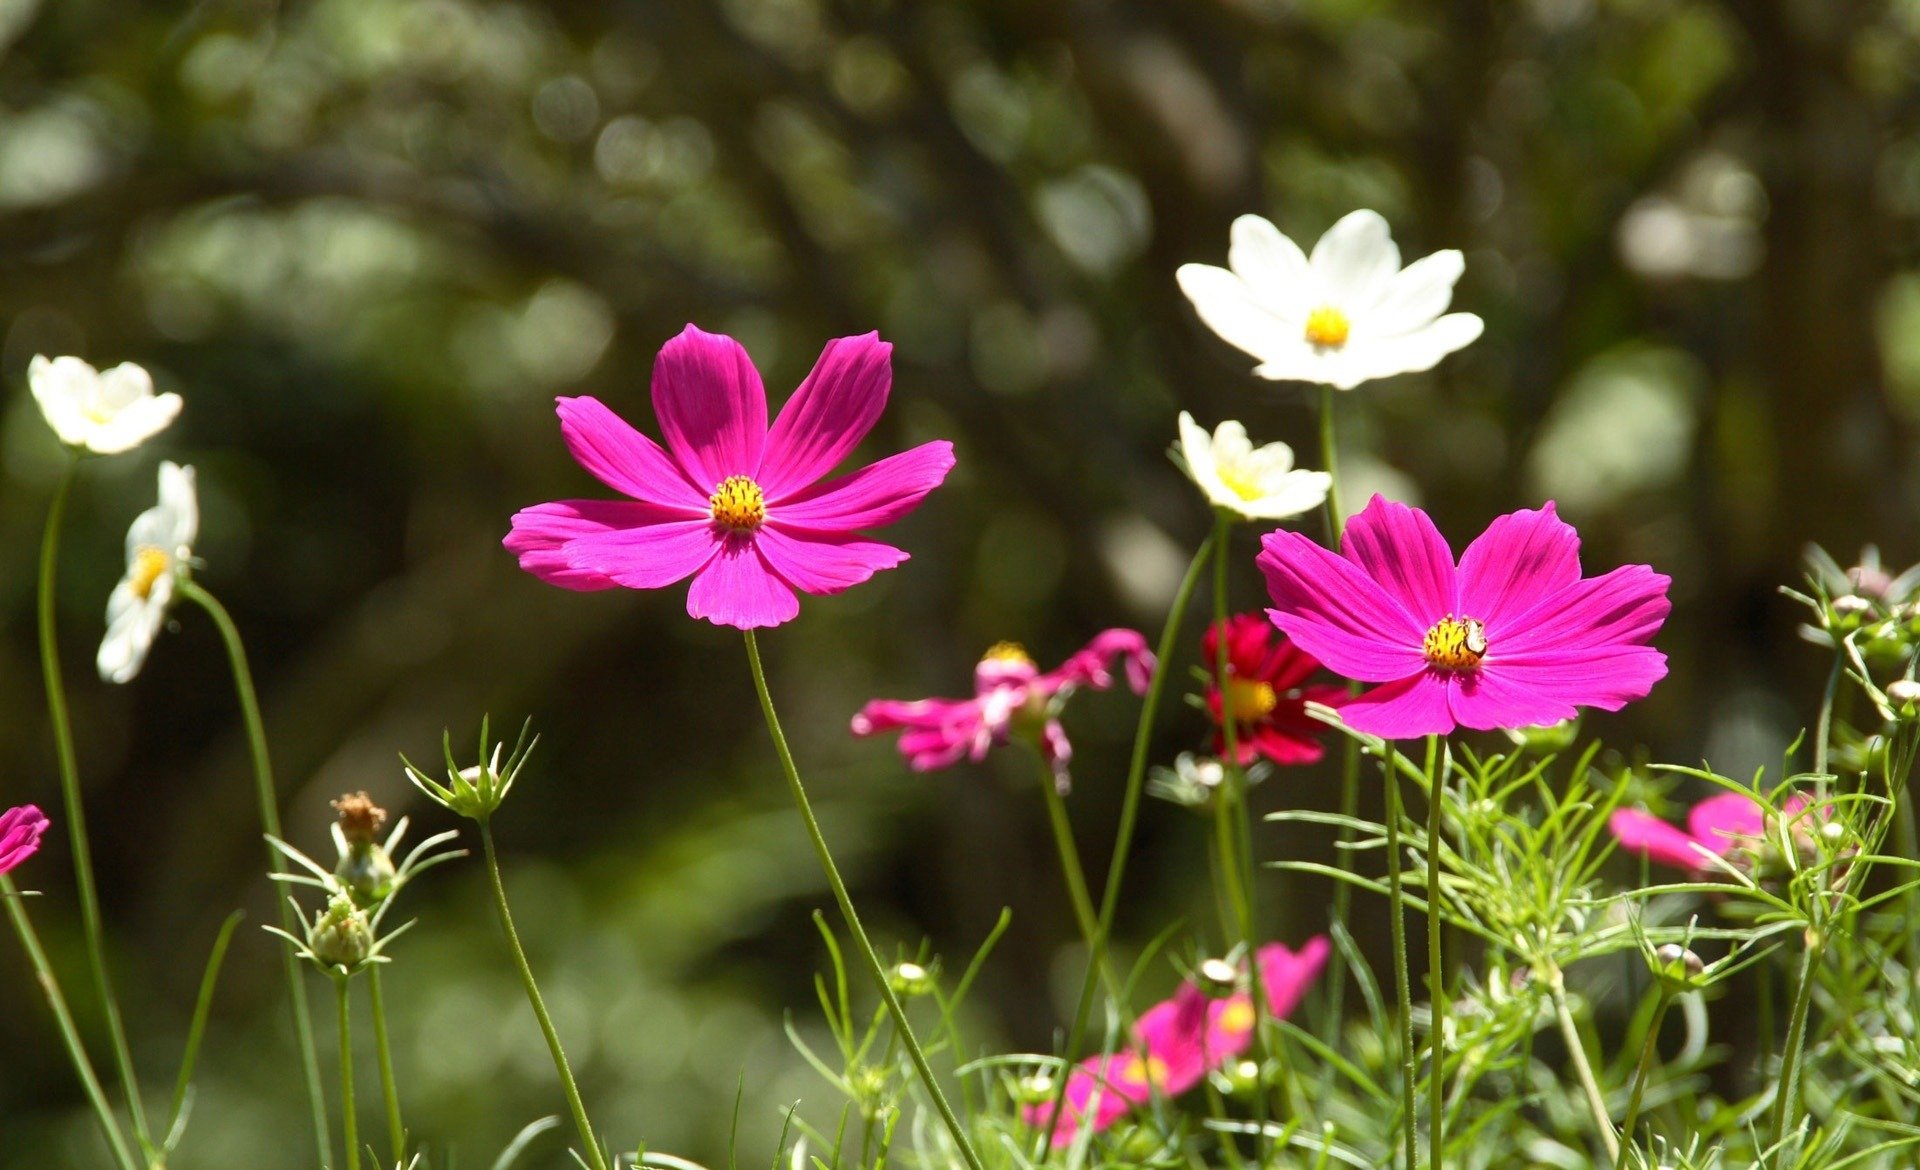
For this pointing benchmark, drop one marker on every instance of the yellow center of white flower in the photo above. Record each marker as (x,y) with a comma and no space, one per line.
(1327,327)
(1456,643)
(1237,1019)
(1151,1071)
(1241,482)
(739,504)
(1009,652)
(149,565)
(1250,700)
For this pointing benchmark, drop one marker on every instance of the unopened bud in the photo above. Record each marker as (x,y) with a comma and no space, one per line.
(1852,605)
(1244,1078)
(1217,977)
(1037,1089)
(910,980)
(1833,833)
(1904,693)
(365,868)
(1677,967)
(341,935)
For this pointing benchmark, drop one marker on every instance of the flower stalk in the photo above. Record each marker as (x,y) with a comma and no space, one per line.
(1436,960)
(74,808)
(1071,869)
(389,1091)
(1642,1073)
(1403,981)
(266,794)
(1582,1066)
(847,912)
(349,1116)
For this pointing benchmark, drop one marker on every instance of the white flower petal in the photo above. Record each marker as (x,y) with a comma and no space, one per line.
(181,501)
(1274,268)
(1356,259)
(123,385)
(105,413)
(1196,446)
(132,625)
(1231,310)
(1298,492)
(1415,296)
(1413,352)
(135,423)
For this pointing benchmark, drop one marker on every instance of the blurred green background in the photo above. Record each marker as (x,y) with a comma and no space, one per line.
(368,241)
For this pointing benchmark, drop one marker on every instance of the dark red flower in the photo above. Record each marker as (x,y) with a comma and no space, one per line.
(1266,693)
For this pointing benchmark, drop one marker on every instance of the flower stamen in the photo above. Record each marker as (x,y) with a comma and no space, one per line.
(1010,652)
(149,565)
(738,504)
(1456,643)
(1250,700)
(1327,327)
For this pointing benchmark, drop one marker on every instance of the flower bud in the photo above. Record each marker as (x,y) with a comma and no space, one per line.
(1244,1078)
(475,791)
(910,980)
(1677,968)
(1546,739)
(1218,978)
(341,935)
(1904,694)
(365,867)
(1035,1089)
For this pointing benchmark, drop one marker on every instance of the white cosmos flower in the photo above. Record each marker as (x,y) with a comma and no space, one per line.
(1259,483)
(159,554)
(1346,316)
(103,411)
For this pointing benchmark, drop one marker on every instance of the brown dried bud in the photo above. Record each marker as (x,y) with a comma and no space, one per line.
(360,818)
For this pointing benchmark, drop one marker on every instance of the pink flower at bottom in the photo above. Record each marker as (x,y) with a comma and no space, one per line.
(20,832)
(1177,1041)
(1007,688)
(729,502)
(1716,827)
(1511,636)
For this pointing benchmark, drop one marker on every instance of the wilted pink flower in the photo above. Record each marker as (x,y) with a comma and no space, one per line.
(728,502)
(1510,637)
(1178,1041)
(1008,688)
(1716,827)
(20,832)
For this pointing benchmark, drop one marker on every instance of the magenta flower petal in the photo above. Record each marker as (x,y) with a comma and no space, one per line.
(877,494)
(1406,708)
(1336,613)
(1521,558)
(712,406)
(829,414)
(1626,606)
(1400,549)
(539,533)
(650,556)
(1642,832)
(624,459)
(1608,678)
(823,563)
(736,588)
(1289,974)
(20,832)
(1716,821)
(1504,696)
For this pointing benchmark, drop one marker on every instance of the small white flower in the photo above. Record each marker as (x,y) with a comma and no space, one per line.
(1259,483)
(159,553)
(1348,315)
(103,411)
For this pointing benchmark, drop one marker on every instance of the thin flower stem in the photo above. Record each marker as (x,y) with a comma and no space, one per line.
(847,912)
(1823,730)
(75,810)
(596,1158)
(1436,962)
(1129,816)
(1403,981)
(1330,463)
(1582,1067)
(396,1129)
(1640,1076)
(69,1034)
(349,1116)
(1076,877)
(1789,1077)
(267,795)
(1350,748)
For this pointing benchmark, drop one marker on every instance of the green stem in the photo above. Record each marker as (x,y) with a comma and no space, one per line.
(847,912)
(1582,1067)
(1076,877)
(1823,730)
(75,811)
(1436,963)
(349,1116)
(1330,463)
(396,1130)
(1350,749)
(595,1156)
(266,794)
(1789,1078)
(1129,816)
(69,1035)
(1403,980)
(1640,1076)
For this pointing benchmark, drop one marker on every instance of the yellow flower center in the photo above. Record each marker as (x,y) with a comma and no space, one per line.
(1240,482)
(1151,1071)
(1456,643)
(1237,1019)
(1327,327)
(1010,652)
(149,565)
(739,504)
(1249,700)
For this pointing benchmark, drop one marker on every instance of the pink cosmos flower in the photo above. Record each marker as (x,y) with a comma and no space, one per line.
(1008,688)
(1716,827)
(1265,694)
(1511,636)
(729,502)
(1178,1041)
(20,832)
